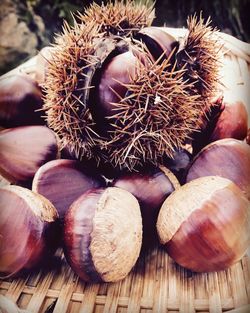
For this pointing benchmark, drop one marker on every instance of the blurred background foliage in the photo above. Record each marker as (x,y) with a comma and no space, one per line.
(43,18)
(231,16)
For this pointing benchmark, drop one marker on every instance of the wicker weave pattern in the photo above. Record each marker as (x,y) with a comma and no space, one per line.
(157,284)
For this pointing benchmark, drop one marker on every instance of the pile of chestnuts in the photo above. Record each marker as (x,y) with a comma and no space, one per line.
(121,140)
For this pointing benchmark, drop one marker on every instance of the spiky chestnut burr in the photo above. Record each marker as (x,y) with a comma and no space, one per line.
(200,56)
(73,62)
(155,117)
(137,134)
(120,18)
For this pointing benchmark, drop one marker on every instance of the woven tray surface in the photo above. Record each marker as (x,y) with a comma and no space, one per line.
(156,284)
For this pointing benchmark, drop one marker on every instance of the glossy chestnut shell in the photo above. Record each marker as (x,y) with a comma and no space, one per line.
(229,158)
(150,188)
(204,225)
(28,230)
(103,234)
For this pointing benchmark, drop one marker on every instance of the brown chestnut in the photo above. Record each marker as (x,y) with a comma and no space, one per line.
(229,158)
(103,234)
(179,163)
(116,72)
(228,119)
(23,150)
(159,43)
(232,122)
(150,188)
(20,100)
(202,137)
(28,230)
(63,181)
(204,225)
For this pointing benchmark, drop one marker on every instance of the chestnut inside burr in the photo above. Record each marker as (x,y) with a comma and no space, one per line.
(109,80)
(159,43)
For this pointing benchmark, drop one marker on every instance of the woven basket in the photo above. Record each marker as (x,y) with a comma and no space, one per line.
(156,284)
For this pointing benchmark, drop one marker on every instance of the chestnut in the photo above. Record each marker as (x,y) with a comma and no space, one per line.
(228,119)
(63,181)
(202,137)
(179,163)
(232,122)
(103,234)
(159,43)
(150,187)
(229,158)
(23,150)
(28,228)
(116,72)
(20,101)
(204,225)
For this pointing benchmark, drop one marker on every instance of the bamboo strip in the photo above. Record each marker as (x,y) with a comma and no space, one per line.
(151,270)
(173,284)
(16,288)
(238,285)
(112,298)
(224,286)
(246,271)
(186,292)
(40,294)
(137,288)
(160,293)
(214,293)
(146,303)
(65,294)
(89,298)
